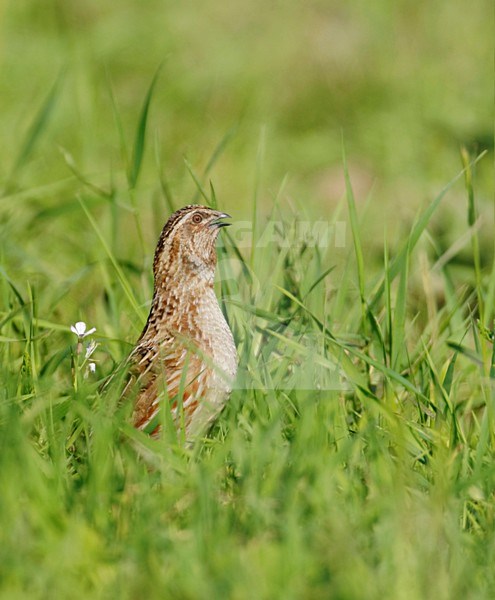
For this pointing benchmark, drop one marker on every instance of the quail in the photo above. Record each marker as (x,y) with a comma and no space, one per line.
(185,357)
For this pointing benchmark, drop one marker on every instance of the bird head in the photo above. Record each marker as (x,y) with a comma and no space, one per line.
(187,244)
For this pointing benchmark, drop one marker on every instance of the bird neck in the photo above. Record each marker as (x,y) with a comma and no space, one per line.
(178,266)
(177,290)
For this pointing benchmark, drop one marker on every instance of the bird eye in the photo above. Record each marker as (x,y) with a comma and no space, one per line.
(197,218)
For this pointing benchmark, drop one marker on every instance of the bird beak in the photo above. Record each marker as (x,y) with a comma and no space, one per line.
(217,223)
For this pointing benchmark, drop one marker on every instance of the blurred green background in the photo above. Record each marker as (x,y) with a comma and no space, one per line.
(404,84)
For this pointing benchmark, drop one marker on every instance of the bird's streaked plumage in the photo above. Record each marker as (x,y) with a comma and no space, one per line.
(186,353)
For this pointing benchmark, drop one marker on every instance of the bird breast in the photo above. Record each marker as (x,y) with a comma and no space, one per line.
(217,337)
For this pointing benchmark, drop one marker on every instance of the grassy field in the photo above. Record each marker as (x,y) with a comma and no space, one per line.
(353,146)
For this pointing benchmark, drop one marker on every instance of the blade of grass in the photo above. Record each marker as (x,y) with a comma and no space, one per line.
(166,191)
(449,375)
(351,204)
(135,166)
(217,152)
(318,280)
(490,297)
(140,135)
(71,163)
(38,125)
(399,320)
(213,196)
(220,148)
(467,352)
(471,218)
(388,298)
(195,178)
(456,432)
(120,274)
(257,184)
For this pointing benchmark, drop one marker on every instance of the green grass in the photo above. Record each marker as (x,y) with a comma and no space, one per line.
(378,484)
(355,458)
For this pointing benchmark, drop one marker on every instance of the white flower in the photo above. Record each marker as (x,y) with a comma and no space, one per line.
(90,349)
(80,330)
(90,368)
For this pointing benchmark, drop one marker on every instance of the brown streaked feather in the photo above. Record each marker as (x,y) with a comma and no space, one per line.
(164,372)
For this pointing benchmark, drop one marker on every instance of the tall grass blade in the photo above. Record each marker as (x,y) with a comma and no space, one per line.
(400,312)
(257,184)
(197,181)
(37,127)
(71,163)
(213,196)
(388,298)
(319,279)
(449,375)
(220,148)
(140,135)
(471,218)
(164,185)
(351,204)
(217,152)
(118,270)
